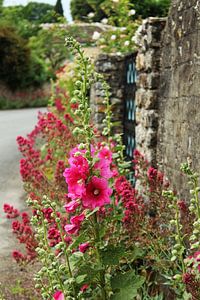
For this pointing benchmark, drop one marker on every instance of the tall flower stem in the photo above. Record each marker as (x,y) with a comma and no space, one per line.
(102,272)
(65,254)
(178,229)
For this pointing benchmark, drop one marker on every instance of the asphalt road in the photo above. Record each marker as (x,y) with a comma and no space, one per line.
(12,124)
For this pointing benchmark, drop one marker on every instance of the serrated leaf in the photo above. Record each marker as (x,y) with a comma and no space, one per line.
(135,254)
(75,259)
(111,255)
(125,286)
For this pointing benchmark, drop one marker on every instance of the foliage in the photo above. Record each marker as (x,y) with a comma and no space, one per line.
(18,67)
(58,8)
(151,8)
(27,19)
(24,100)
(97,236)
(120,37)
(144,9)
(38,13)
(80,11)
(48,45)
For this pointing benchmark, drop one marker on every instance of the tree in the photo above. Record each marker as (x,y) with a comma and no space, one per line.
(144,8)
(38,13)
(151,8)
(58,8)
(49,46)
(80,11)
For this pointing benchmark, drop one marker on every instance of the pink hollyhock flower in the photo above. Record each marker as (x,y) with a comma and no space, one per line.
(76,220)
(105,153)
(104,167)
(59,296)
(72,228)
(71,206)
(84,247)
(75,150)
(79,162)
(75,179)
(97,193)
(84,288)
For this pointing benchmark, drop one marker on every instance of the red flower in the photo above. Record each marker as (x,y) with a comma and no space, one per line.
(84,247)
(84,288)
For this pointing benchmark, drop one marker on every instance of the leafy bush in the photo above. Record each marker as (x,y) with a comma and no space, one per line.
(80,11)
(96,235)
(18,67)
(49,46)
(151,8)
(13,16)
(15,58)
(144,9)
(38,13)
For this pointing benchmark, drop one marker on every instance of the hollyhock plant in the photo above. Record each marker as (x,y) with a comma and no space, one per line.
(97,193)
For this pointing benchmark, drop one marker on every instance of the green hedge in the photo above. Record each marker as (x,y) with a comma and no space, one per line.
(18,67)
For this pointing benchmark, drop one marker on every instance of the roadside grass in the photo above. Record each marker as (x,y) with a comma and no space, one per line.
(23,103)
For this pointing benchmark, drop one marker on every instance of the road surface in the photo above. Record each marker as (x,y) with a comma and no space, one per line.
(12,124)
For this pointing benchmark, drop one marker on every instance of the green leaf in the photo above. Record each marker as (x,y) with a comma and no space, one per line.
(79,240)
(80,279)
(91,213)
(125,286)
(75,259)
(135,253)
(111,255)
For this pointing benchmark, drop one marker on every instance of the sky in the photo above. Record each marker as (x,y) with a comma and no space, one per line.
(65,4)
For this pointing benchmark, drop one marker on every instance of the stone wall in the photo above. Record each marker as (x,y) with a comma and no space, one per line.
(148,64)
(113,67)
(179,91)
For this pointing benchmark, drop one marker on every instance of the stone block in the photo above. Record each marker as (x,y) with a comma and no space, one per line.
(140,62)
(148,80)
(146,98)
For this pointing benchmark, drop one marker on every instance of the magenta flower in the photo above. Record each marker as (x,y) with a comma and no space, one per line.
(72,228)
(77,220)
(105,153)
(75,179)
(80,162)
(84,247)
(71,206)
(103,166)
(97,193)
(59,296)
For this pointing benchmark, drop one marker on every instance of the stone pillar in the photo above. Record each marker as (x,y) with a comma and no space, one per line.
(148,61)
(113,68)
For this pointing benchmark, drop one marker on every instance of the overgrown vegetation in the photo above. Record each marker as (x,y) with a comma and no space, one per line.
(144,9)
(97,236)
